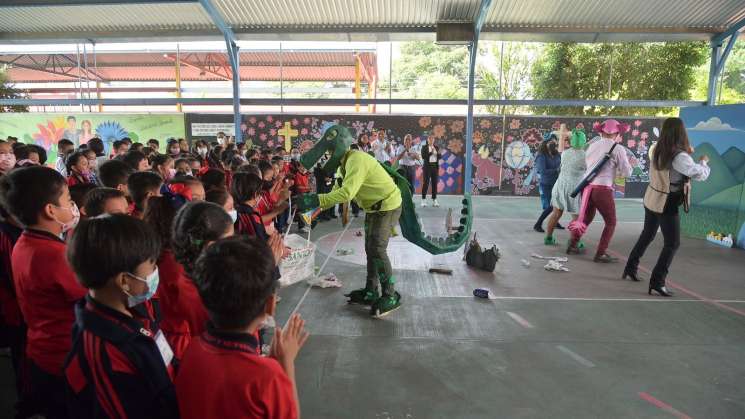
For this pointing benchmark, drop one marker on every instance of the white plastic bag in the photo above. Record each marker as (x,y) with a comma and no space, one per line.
(299,264)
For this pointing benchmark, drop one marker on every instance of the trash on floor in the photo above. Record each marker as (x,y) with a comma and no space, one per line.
(561,259)
(358,234)
(326,281)
(525,263)
(444,271)
(556,266)
(344,252)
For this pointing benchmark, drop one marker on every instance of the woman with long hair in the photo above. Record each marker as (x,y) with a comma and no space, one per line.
(547,165)
(86,131)
(670,169)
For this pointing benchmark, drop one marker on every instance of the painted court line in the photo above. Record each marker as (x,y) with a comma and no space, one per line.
(683,289)
(575,356)
(519,320)
(323,266)
(663,406)
(644,300)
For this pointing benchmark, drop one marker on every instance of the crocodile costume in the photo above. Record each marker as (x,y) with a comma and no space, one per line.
(386,197)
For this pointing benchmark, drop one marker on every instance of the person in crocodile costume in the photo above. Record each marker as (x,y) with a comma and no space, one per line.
(386,197)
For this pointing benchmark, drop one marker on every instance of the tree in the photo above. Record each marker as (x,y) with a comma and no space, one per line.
(663,71)
(427,70)
(516,61)
(7,91)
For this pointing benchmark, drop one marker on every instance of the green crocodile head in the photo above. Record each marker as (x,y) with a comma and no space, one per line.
(336,141)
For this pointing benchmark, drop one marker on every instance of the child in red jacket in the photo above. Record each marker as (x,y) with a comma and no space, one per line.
(241,383)
(45,285)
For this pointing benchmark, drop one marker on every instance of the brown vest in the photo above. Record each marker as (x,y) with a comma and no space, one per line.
(658,189)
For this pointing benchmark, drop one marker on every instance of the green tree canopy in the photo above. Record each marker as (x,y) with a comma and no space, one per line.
(616,72)
(7,91)
(427,70)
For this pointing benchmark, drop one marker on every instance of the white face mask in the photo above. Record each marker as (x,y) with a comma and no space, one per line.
(202,151)
(233,215)
(73,221)
(151,281)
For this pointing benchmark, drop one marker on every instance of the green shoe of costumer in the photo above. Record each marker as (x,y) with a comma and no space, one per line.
(549,241)
(385,304)
(363,296)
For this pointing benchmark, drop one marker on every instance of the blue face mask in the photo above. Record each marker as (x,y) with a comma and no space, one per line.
(233,215)
(151,281)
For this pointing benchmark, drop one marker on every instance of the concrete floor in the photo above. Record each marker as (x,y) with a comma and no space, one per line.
(583,344)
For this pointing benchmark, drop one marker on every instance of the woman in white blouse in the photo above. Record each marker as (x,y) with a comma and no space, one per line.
(670,169)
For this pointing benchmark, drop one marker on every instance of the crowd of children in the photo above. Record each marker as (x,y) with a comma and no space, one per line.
(129,279)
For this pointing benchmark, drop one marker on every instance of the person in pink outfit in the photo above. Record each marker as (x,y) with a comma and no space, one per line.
(598,195)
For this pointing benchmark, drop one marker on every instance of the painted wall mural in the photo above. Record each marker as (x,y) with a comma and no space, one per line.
(718,204)
(503,153)
(46,129)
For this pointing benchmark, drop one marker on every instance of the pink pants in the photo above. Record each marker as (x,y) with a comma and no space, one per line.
(600,199)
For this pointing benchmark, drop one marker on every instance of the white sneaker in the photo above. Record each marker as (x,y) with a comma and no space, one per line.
(435,203)
(424,203)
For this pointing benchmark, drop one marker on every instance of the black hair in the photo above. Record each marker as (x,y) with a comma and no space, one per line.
(136,146)
(277,159)
(201,143)
(213,178)
(245,186)
(133,158)
(79,193)
(64,142)
(195,224)
(159,214)
(127,140)
(103,247)
(160,160)
(218,196)
(20,151)
(71,118)
(73,159)
(250,153)
(96,200)
(236,162)
(226,156)
(354,147)
(96,144)
(140,183)
(250,168)
(113,173)
(233,295)
(264,166)
(33,148)
(24,192)
(180,161)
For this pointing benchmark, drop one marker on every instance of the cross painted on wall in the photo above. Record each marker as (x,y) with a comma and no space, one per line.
(287,132)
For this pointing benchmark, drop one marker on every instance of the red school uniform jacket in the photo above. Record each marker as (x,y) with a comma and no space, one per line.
(184,314)
(119,366)
(10,313)
(47,290)
(302,183)
(242,384)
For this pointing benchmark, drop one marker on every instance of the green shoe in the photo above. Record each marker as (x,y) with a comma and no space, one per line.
(580,245)
(385,304)
(549,241)
(363,296)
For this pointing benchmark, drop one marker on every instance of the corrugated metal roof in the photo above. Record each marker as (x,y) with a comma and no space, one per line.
(103,18)
(197,66)
(369,19)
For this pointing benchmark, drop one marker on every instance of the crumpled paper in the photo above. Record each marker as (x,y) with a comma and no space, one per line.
(326,281)
(556,266)
(560,259)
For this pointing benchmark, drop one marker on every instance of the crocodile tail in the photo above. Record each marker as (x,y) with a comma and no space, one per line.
(411,227)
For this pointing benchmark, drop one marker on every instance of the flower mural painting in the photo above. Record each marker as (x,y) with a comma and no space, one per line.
(110,131)
(455,146)
(515,124)
(485,124)
(457,125)
(532,136)
(49,134)
(497,138)
(478,137)
(425,121)
(438,131)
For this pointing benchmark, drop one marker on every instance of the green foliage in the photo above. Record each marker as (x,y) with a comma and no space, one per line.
(516,59)
(8,92)
(616,72)
(427,70)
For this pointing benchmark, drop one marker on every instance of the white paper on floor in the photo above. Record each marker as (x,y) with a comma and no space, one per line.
(555,265)
(560,259)
(326,281)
